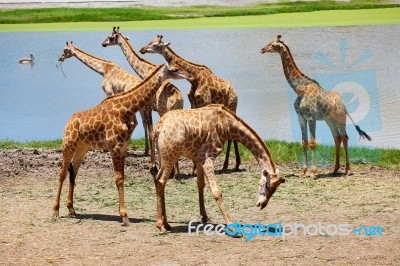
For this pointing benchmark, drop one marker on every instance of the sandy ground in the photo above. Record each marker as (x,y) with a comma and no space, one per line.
(29,236)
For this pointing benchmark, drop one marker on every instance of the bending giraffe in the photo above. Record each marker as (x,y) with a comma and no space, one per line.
(167,98)
(116,79)
(207,88)
(314,103)
(200,134)
(109,125)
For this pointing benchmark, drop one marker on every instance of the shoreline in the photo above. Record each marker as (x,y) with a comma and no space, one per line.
(125,3)
(325,18)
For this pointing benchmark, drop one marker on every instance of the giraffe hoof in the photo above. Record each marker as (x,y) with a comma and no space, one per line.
(303,172)
(312,173)
(72,212)
(205,219)
(165,228)
(56,215)
(125,221)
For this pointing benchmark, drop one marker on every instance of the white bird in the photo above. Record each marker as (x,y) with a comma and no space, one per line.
(25,60)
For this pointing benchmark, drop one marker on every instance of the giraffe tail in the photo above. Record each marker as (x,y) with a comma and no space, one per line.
(362,133)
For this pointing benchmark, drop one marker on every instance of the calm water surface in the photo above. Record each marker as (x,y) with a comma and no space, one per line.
(362,63)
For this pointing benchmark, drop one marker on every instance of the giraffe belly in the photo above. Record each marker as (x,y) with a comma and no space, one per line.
(313,112)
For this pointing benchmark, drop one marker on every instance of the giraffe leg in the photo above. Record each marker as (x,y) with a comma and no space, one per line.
(200,185)
(118,157)
(226,162)
(304,136)
(237,155)
(176,170)
(160,182)
(76,162)
(345,139)
(337,140)
(149,123)
(305,160)
(145,121)
(333,126)
(68,153)
(313,145)
(208,168)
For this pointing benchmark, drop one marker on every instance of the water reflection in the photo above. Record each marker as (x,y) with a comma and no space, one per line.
(36,101)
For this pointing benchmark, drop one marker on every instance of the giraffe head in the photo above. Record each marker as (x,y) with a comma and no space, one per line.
(173,72)
(67,52)
(267,186)
(156,46)
(113,38)
(275,46)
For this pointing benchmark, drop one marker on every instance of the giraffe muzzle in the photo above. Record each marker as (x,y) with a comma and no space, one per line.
(262,202)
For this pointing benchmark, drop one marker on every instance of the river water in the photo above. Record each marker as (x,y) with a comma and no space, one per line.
(361,62)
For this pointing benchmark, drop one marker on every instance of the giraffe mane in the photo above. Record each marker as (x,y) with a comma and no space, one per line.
(122,94)
(252,132)
(198,65)
(294,63)
(134,52)
(86,53)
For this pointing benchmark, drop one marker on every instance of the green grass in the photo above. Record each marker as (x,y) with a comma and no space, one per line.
(282,151)
(299,14)
(50,15)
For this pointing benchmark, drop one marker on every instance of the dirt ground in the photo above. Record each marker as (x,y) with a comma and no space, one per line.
(29,235)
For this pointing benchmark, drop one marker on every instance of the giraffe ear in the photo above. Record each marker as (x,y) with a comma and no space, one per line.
(166,44)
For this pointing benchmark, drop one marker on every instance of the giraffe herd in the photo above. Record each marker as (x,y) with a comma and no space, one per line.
(198,133)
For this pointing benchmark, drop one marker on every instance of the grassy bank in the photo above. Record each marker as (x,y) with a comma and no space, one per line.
(56,15)
(282,151)
(325,13)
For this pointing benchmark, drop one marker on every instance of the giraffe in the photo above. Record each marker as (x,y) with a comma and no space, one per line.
(108,125)
(116,79)
(167,98)
(207,88)
(314,103)
(200,134)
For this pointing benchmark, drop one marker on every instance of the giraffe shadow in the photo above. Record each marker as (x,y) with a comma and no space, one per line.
(229,171)
(132,154)
(330,175)
(217,172)
(106,218)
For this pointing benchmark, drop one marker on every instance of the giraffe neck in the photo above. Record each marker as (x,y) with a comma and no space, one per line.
(138,64)
(94,63)
(130,101)
(296,79)
(191,68)
(241,132)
